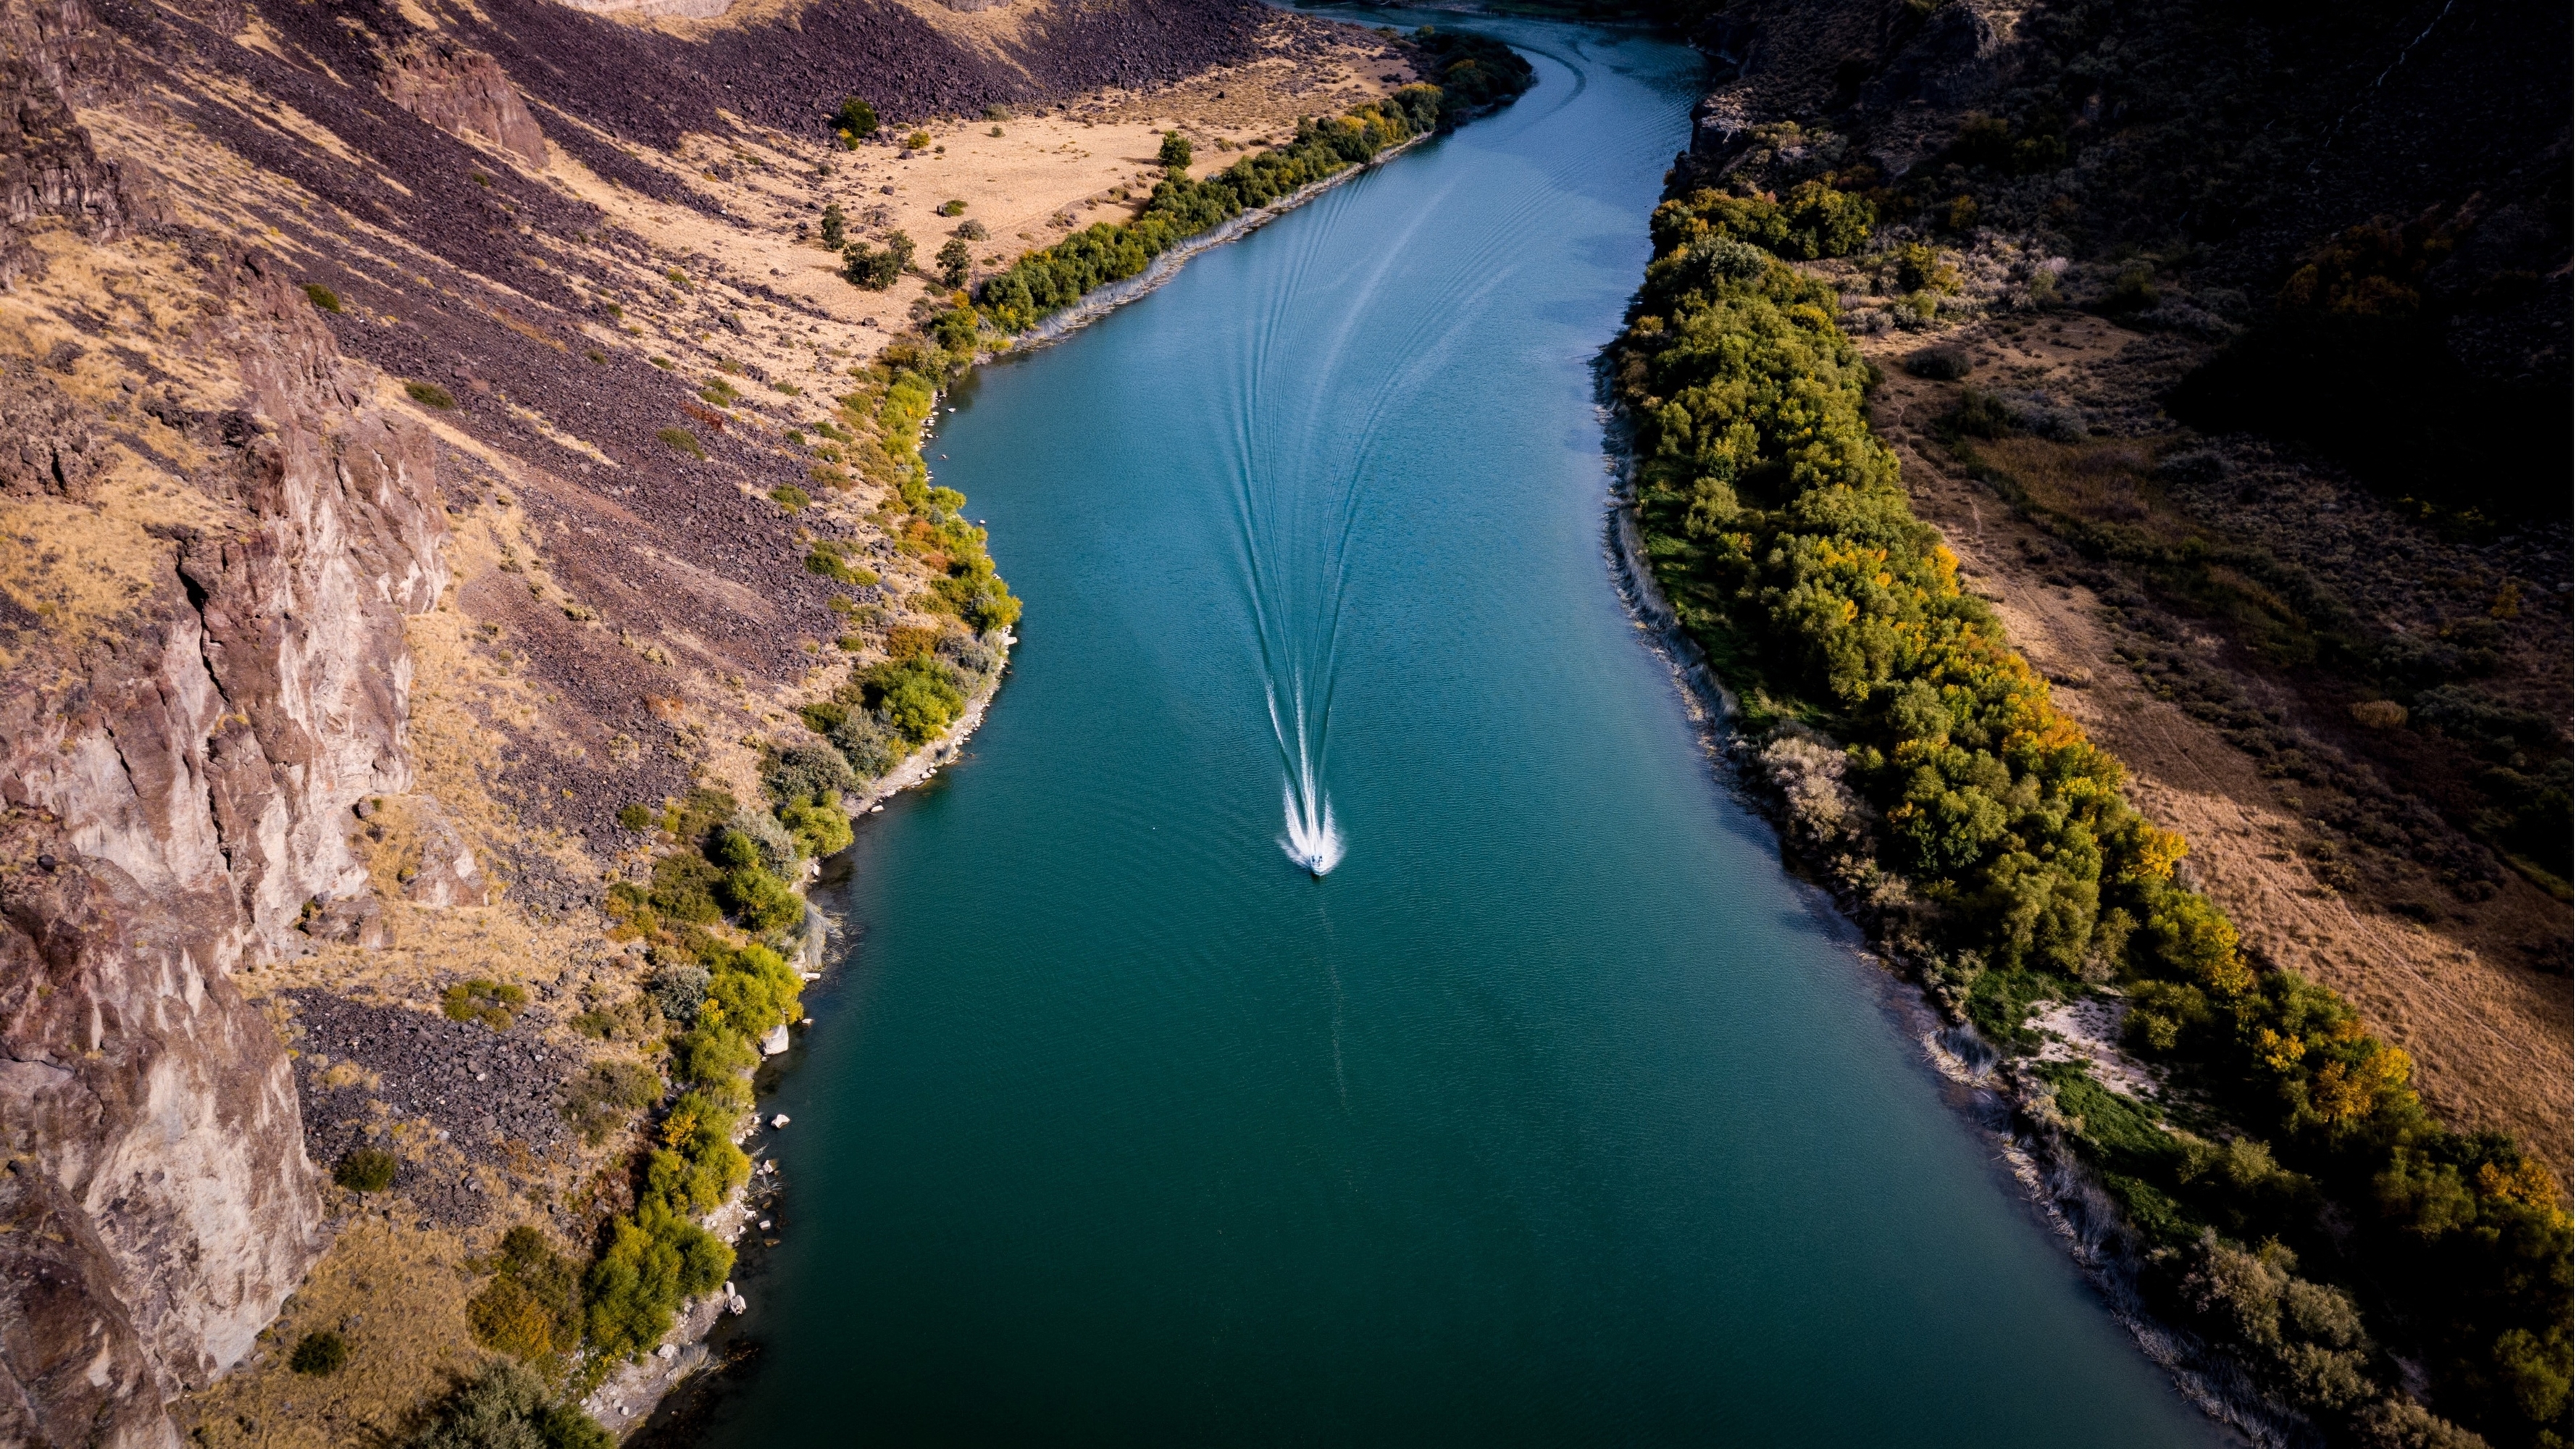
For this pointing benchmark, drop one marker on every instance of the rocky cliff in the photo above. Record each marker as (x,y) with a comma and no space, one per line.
(179,765)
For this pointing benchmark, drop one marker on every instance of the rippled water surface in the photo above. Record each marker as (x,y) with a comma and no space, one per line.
(1554,1114)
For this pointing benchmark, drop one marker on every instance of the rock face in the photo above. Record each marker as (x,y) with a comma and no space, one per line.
(48,168)
(176,793)
(459,90)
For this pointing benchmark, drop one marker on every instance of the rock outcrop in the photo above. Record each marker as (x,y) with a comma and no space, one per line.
(178,791)
(49,56)
(459,91)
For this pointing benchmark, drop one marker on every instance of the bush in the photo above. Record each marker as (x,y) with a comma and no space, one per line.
(866,267)
(2133,290)
(683,890)
(508,1406)
(1941,364)
(366,1169)
(918,697)
(821,827)
(322,297)
(971,230)
(867,743)
(760,902)
(1175,153)
(835,227)
(1816,221)
(320,1353)
(634,818)
(480,999)
(856,120)
(956,262)
(532,1307)
(677,991)
(681,440)
(952,208)
(802,770)
(609,1094)
(429,395)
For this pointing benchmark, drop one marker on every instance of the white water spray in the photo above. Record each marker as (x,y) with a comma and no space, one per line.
(1312,841)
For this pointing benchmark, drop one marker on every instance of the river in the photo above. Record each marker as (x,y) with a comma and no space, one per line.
(1556,1113)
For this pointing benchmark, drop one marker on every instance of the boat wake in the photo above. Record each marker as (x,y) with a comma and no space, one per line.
(1312,841)
(1299,465)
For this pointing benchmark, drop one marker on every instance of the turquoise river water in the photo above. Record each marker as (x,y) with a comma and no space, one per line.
(1555,1114)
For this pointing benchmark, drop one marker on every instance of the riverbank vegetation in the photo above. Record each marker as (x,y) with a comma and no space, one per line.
(2305,1210)
(718,913)
(1476,74)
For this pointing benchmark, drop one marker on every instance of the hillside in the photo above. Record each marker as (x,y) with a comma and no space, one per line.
(2208,752)
(2232,281)
(444,456)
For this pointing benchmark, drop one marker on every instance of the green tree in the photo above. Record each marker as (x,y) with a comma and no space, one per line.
(956,263)
(856,121)
(835,226)
(1175,155)
(866,267)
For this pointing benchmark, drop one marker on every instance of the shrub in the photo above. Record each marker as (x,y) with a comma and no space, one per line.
(865,740)
(1919,268)
(1816,221)
(429,395)
(681,440)
(773,849)
(835,228)
(1941,364)
(919,697)
(532,1307)
(366,1169)
(804,770)
(952,208)
(2379,714)
(320,1353)
(761,902)
(635,818)
(2133,290)
(791,497)
(971,230)
(609,1094)
(1043,282)
(866,267)
(916,141)
(856,118)
(508,1406)
(956,262)
(1175,152)
(821,827)
(322,297)
(484,1000)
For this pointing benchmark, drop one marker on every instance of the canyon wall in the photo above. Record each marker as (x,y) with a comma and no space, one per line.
(222,537)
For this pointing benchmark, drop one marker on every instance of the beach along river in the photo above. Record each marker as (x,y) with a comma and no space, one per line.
(1555,1113)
